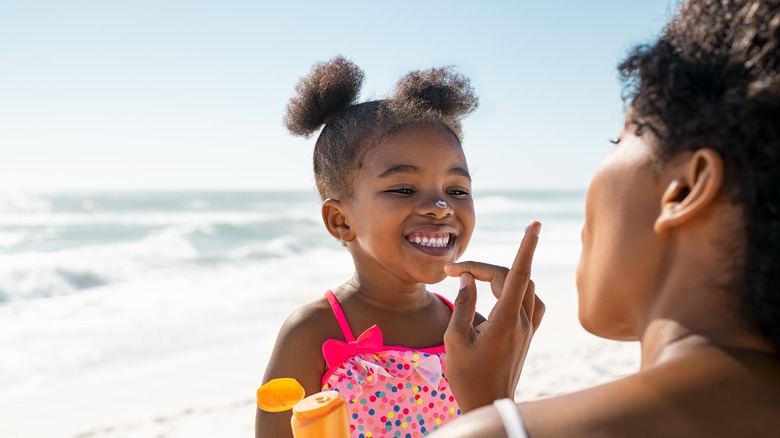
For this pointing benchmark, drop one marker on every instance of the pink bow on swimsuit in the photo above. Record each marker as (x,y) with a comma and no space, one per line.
(336,352)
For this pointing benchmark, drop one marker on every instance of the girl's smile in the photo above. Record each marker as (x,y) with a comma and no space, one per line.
(437,243)
(433,240)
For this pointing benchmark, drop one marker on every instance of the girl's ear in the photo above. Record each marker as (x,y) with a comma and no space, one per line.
(692,191)
(334,215)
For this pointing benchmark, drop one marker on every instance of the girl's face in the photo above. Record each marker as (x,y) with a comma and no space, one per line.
(399,230)
(621,258)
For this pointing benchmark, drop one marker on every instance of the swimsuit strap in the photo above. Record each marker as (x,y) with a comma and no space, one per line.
(446,301)
(342,320)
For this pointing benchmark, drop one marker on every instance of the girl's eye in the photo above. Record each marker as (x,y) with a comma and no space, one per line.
(402,191)
(458,192)
(614,141)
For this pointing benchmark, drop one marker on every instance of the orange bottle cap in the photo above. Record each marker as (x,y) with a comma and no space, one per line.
(279,395)
(317,405)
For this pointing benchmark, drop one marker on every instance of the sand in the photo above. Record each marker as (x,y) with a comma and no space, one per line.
(211,393)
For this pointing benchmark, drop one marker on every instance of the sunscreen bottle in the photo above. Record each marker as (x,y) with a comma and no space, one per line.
(319,415)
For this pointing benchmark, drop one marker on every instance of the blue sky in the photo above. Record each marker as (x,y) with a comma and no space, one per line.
(190,94)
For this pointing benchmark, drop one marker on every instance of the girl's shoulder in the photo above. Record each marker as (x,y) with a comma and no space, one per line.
(297,352)
(312,321)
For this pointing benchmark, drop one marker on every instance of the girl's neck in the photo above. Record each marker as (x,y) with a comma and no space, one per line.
(405,298)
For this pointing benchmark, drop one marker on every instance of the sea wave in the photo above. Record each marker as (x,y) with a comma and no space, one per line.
(559,206)
(157,218)
(171,250)
(69,243)
(22,202)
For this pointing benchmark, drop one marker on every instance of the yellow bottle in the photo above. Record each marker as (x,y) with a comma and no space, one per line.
(319,415)
(323,414)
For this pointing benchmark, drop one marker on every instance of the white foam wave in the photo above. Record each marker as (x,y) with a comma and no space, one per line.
(503,205)
(149,219)
(20,202)
(283,246)
(38,274)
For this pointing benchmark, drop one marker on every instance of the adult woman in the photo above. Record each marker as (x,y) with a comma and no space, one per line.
(681,250)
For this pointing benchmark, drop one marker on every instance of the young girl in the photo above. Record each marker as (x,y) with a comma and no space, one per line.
(396,190)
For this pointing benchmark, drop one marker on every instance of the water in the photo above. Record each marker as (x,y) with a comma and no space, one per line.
(92,282)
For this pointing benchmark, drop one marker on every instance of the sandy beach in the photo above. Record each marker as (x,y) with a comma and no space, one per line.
(211,393)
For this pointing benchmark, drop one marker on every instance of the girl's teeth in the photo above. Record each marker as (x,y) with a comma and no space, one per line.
(432,241)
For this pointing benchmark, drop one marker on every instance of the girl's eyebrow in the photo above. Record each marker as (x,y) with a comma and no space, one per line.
(410,168)
(399,168)
(460,172)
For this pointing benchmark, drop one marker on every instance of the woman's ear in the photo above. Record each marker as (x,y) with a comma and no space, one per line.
(335,218)
(691,191)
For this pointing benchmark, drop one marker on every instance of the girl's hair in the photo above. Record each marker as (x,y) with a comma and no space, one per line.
(328,95)
(713,80)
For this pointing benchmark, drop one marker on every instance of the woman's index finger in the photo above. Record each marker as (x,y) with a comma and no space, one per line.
(519,275)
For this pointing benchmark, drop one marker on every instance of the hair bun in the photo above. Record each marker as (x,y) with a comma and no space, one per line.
(329,88)
(441,89)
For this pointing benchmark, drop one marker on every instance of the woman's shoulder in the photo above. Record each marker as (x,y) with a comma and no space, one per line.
(718,393)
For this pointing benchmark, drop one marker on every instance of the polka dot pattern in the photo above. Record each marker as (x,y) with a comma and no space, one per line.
(394,393)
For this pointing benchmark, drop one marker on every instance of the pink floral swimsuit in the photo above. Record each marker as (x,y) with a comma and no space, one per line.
(390,391)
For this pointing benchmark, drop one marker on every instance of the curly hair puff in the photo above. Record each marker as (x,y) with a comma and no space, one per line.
(328,95)
(713,80)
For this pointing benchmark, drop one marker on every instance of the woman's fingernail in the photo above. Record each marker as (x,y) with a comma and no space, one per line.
(464,279)
(536,226)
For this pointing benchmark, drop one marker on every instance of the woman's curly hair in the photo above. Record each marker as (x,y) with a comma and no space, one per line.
(713,80)
(328,96)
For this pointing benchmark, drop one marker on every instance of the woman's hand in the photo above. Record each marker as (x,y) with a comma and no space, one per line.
(484,362)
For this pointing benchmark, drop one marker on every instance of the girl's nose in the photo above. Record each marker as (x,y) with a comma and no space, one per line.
(436,207)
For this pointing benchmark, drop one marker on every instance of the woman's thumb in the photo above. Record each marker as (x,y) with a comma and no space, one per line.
(465,306)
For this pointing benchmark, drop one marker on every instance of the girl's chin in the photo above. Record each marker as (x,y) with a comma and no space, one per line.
(437,278)
(429,277)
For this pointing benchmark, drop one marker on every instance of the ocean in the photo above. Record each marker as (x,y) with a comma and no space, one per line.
(94,282)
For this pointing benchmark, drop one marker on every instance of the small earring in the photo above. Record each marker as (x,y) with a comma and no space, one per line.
(441,204)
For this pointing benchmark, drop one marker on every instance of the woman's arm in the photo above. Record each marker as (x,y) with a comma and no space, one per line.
(483,422)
